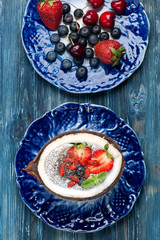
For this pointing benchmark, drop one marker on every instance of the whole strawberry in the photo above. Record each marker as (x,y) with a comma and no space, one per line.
(50,12)
(109,51)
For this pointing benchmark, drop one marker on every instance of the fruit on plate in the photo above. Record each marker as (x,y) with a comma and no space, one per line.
(119,6)
(90,18)
(96,3)
(106,19)
(109,51)
(50,13)
(77,51)
(78,165)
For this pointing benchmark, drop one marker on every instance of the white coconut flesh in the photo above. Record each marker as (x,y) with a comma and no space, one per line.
(55,152)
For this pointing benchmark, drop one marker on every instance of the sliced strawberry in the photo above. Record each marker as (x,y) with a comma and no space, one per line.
(69,160)
(81,153)
(105,163)
(87,173)
(72,167)
(62,169)
(73,178)
(71,184)
(93,162)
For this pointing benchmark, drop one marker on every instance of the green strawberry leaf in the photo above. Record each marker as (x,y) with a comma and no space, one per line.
(50,3)
(113,58)
(114,51)
(102,176)
(80,145)
(106,147)
(88,183)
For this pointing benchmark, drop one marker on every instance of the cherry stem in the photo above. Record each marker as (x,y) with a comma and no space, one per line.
(87,6)
(122,26)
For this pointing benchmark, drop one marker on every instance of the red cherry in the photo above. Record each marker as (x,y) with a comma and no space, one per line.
(90,18)
(119,6)
(77,51)
(107,20)
(96,3)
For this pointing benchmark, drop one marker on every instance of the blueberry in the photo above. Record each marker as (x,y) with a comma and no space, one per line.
(74,26)
(83,41)
(73,36)
(63,30)
(69,173)
(54,38)
(69,46)
(81,72)
(66,65)
(89,53)
(66,8)
(103,36)
(96,29)
(93,39)
(94,62)
(60,48)
(51,56)
(81,180)
(67,18)
(84,32)
(116,33)
(80,171)
(78,62)
(78,13)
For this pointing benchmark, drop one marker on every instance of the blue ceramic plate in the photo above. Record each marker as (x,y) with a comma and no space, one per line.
(90,215)
(36,41)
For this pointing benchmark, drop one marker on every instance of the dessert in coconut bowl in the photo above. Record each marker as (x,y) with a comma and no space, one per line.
(78,165)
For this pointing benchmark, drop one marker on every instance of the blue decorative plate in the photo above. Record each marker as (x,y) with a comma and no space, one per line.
(90,215)
(36,41)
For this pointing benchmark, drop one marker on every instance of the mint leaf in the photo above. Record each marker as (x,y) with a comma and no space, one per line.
(94,177)
(88,183)
(102,176)
(106,147)
(96,182)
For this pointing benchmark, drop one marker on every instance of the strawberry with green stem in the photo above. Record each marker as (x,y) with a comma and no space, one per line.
(50,12)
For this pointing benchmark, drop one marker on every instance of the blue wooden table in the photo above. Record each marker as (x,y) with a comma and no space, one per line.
(25,96)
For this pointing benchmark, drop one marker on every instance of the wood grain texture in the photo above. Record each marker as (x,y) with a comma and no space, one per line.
(24,96)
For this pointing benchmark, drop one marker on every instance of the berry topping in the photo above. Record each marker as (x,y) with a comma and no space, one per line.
(77,51)
(68,160)
(54,38)
(62,169)
(94,62)
(71,184)
(78,13)
(93,39)
(107,20)
(96,3)
(80,171)
(51,56)
(104,159)
(85,32)
(83,41)
(78,62)
(96,29)
(109,51)
(72,167)
(116,33)
(94,162)
(60,48)
(66,65)
(70,172)
(63,30)
(103,36)
(119,6)
(50,13)
(74,26)
(87,173)
(67,18)
(90,18)
(80,152)
(73,178)
(81,72)
(89,53)
(73,37)
(66,8)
